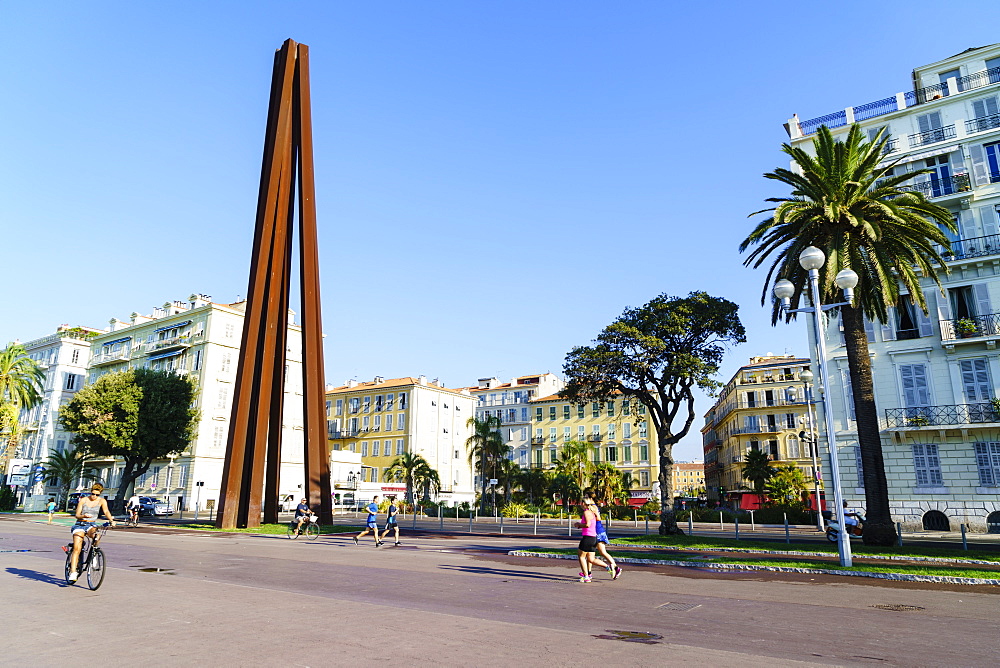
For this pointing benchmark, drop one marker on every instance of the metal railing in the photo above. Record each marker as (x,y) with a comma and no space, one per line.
(979,79)
(971,327)
(337,434)
(934,416)
(983,123)
(939,186)
(932,92)
(872,109)
(932,136)
(164,344)
(595,438)
(974,247)
(107,358)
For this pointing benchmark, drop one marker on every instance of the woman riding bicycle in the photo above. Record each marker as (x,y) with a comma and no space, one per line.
(87,511)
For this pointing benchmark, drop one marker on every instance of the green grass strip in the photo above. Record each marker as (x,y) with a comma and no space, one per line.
(263,529)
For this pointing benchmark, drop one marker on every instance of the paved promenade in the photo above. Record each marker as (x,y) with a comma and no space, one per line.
(182,598)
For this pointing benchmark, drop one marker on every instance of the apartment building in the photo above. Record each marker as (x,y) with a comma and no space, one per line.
(762,407)
(200,339)
(509,402)
(618,430)
(688,478)
(383,418)
(63,358)
(936,374)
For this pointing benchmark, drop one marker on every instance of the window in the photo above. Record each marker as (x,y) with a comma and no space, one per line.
(914,383)
(367,405)
(566,434)
(376,448)
(644,478)
(60,445)
(230,330)
(364,448)
(643,429)
(354,404)
(643,453)
(524,415)
(611,431)
(552,412)
(789,420)
(378,422)
(390,400)
(793,447)
(402,401)
(579,410)
(642,409)
(627,453)
(612,454)
(552,433)
(627,430)
(339,410)
(196,366)
(976,380)
(988,462)
(597,455)
(626,407)
(566,412)
(399,446)
(71,381)
(597,409)
(538,413)
(75,357)
(611,409)
(378,402)
(927,465)
(581,432)
(511,414)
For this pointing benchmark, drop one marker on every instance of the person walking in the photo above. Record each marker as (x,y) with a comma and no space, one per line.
(588,542)
(391,523)
(372,523)
(602,537)
(50,508)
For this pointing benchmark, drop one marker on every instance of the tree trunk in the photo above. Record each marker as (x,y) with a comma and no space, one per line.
(668,521)
(879,528)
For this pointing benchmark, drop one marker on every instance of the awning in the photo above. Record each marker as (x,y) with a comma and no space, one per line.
(162,355)
(922,155)
(122,340)
(173,326)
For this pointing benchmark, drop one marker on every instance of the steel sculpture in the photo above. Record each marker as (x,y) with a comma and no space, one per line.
(253,453)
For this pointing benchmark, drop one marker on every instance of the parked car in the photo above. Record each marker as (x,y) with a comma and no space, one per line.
(150,505)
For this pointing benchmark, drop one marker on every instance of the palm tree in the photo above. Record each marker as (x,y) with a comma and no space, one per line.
(533,482)
(757,469)
(859,215)
(405,467)
(63,468)
(787,484)
(20,388)
(606,481)
(485,447)
(574,457)
(428,480)
(507,474)
(565,486)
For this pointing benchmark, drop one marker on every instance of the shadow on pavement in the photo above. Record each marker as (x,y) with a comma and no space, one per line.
(483,570)
(37,576)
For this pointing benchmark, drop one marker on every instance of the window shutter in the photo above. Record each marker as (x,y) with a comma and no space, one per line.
(923,321)
(944,317)
(845,376)
(981,290)
(986,477)
(988,218)
(888,328)
(929,122)
(979,172)
(976,380)
(869,329)
(967,225)
(914,381)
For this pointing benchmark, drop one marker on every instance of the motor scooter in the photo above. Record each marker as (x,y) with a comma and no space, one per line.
(833,528)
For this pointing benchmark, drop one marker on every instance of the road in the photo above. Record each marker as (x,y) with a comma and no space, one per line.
(174,597)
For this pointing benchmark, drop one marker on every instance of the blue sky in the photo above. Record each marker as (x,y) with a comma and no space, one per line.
(496,181)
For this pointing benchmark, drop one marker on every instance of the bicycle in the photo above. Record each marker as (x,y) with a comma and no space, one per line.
(91,559)
(310,529)
(132,517)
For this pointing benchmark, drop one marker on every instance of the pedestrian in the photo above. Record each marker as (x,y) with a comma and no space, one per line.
(371,524)
(588,542)
(391,523)
(51,509)
(602,537)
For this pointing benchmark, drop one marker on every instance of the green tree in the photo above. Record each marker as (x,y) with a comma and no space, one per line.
(140,415)
(508,475)
(486,447)
(658,354)
(405,467)
(787,485)
(564,485)
(534,483)
(428,480)
(63,468)
(859,215)
(757,470)
(606,481)
(20,389)
(574,459)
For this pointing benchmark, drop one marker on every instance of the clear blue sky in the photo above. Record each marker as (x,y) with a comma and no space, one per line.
(496,181)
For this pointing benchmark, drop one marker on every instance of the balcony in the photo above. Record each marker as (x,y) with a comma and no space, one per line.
(941,416)
(977,327)
(595,438)
(939,187)
(538,440)
(342,434)
(164,345)
(758,429)
(932,136)
(982,123)
(110,358)
(351,483)
(974,247)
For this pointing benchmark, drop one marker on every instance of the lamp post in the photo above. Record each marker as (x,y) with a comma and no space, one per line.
(812,259)
(806,376)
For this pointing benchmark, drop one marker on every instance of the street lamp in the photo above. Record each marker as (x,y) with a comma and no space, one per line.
(806,376)
(812,259)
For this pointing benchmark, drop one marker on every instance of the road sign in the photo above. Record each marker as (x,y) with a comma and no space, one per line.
(494,481)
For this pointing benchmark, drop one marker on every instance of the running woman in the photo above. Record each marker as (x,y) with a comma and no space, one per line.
(588,543)
(372,523)
(391,523)
(602,537)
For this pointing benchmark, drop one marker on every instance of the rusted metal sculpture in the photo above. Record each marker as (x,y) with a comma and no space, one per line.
(253,453)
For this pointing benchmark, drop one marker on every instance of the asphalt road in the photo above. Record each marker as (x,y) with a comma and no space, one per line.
(182,598)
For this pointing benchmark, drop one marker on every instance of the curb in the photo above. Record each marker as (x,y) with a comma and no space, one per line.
(901,577)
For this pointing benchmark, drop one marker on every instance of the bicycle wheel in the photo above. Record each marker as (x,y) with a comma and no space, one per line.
(290,532)
(95,570)
(312,531)
(69,559)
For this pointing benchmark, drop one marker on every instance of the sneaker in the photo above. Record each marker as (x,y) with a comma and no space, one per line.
(586,578)
(610,570)
(582,575)
(73,577)
(378,543)
(356,540)
(618,573)
(397,543)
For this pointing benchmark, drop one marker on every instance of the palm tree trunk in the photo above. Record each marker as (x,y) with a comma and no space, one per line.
(879,528)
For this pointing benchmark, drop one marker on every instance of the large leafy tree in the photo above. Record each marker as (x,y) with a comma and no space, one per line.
(787,485)
(658,354)
(757,470)
(405,467)
(863,218)
(486,447)
(20,388)
(140,415)
(563,485)
(508,476)
(533,483)
(65,467)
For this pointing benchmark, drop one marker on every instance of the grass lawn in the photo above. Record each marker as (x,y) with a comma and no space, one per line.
(859,550)
(271,529)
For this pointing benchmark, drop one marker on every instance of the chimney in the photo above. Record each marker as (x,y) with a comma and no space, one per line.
(158,312)
(352,383)
(198,300)
(422,380)
(379,380)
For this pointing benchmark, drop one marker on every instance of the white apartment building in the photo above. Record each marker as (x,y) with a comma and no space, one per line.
(936,376)
(509,402)
(63,356)
(201,339)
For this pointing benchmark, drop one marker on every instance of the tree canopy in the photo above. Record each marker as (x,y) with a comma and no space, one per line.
(20,388)
(658,354)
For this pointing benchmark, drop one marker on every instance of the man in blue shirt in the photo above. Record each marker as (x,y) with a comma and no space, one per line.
(372,523)
(390,520)
(302,515)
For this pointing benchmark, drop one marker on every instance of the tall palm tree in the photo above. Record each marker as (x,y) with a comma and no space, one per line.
(405,467)
(861,217)
(508,474)
(606,481)
(486,447)
(565,486)
(20,388)
(533,482)
(757,470)
(427,480)
(574,456)
(63,468)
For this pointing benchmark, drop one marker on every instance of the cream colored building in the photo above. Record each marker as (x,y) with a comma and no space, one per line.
(383,418)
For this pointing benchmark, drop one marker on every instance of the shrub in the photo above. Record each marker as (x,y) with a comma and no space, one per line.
(7,499)
(515,510)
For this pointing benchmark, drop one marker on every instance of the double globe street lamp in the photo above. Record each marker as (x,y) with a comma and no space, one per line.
(812,259)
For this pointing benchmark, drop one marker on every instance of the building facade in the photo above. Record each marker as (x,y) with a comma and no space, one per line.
(762,407)
(688,478)
(936,374)
(619,431)
(383,418)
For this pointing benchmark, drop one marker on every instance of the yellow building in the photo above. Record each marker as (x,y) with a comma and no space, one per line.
(688,478)
(383,418)
(618,430)
(762,407)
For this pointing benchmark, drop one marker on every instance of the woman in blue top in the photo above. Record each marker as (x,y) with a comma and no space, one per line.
(372,523)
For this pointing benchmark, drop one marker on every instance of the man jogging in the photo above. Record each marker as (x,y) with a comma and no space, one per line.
(372,523)
(390,521)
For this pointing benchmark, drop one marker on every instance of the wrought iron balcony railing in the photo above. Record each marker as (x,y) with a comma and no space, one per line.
(941,416)
(167,344)
(983,123)
(970,328)
(538,440)
(939,187)
(340,434)
(932,136)
(974,247)
(595,438)
(109,358)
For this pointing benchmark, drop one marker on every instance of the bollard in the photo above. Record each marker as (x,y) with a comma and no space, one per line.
(788,538)
(736,525)
(965,545)
(470,522)
(753,526)
(899,534)
(501,525)
(722,526)
(441,520)
(536,524)
(647,525)
(414,526)
(690,525)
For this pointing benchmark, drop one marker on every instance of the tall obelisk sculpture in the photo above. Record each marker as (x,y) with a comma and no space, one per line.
(253,453)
